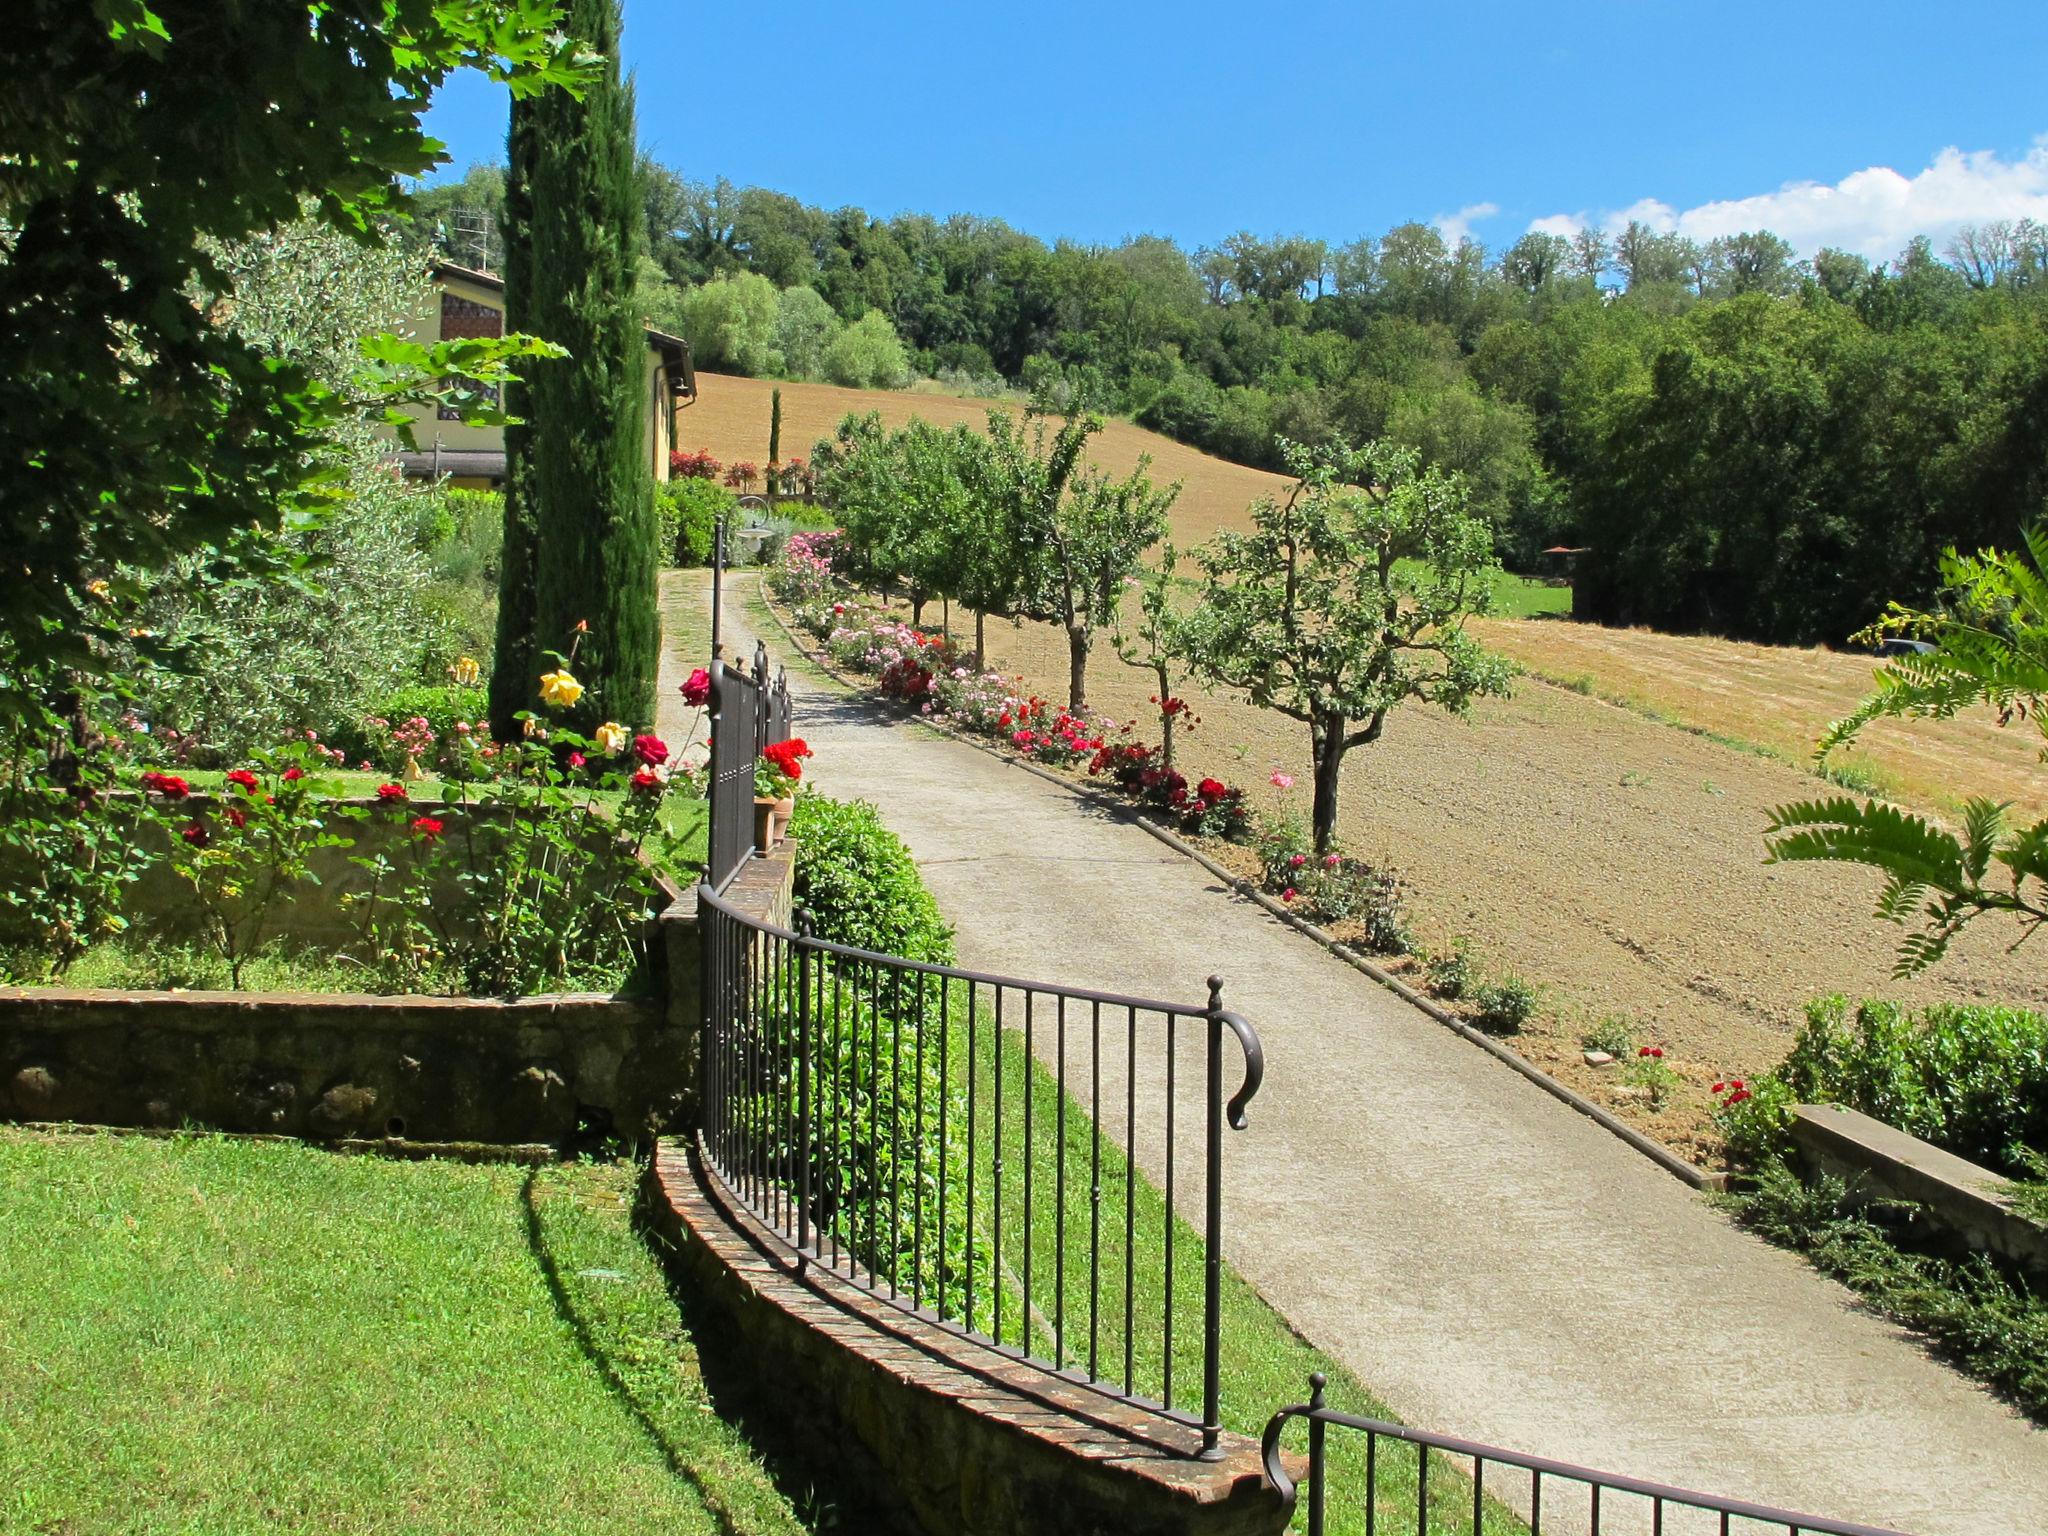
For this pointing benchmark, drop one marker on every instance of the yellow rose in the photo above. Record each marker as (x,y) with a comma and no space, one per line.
(560,689)
(612,737)
(465,671)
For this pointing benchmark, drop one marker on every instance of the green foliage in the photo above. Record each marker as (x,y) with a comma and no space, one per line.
(1504,1005)
(454,715)
(239,858)
(860,884)
(1081,532)
(805,328)
(686,518)
(1613,1034)
(1453,972)
(579,507)
(146,133)
(69,859)
(867,355)
(1348,600)
(1990,651)
(1971,1080)
(1990,1322)
(538,889)
(732,323)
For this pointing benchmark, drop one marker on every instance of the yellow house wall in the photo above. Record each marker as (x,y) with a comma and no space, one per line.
(424,325)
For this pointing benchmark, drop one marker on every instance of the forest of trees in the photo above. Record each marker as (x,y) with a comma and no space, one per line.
(1749,443)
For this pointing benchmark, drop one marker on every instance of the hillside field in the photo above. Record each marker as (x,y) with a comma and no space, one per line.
(730,421)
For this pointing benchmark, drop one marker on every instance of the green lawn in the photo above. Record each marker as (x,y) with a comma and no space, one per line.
(206,1335)
(1266,1363)
(1529,597)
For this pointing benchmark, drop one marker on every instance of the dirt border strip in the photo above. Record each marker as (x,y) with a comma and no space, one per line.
(1656,1152)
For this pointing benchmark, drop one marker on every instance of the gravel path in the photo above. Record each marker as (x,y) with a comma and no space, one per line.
(1492,1264)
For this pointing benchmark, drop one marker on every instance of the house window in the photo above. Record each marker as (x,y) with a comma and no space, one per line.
(466,320)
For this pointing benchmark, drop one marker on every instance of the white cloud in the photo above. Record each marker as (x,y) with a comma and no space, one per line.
(1456,226)
(1873,212)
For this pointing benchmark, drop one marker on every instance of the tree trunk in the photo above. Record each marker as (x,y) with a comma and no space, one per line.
(1326,739)
(1078,640)
(946,618)
(916,609)
(1165,717)
(980,641)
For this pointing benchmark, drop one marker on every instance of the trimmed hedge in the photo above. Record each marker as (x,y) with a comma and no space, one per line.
(1971,1080)
(860,884)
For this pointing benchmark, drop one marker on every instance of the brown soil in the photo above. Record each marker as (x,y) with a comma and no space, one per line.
(730,420)
(1614,860)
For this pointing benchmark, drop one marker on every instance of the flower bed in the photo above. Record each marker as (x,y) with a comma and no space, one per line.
(523,874)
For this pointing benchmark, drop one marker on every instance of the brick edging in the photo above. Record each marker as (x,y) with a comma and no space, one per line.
(1655,1151)
(959,1436)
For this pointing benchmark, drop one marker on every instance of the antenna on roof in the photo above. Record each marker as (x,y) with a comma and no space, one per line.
(475,237)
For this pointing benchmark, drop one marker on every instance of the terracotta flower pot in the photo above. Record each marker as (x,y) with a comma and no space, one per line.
(764,824)
(784,809)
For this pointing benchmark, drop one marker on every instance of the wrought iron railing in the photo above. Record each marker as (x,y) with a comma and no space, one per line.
(1570,1498)
(747,714)
(968,1147)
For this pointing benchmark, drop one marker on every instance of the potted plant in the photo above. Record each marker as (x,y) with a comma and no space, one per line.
(777,772)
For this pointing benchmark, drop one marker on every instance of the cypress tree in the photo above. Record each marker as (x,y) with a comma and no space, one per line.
(579,508)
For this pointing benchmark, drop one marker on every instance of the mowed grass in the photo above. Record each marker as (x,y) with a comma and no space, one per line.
(1266,1364)
(206,1335)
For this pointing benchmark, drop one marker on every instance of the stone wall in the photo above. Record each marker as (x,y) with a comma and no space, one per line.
(331,1068)
(538,1070)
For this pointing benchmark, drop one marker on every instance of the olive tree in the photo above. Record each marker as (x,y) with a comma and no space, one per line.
(1347,600)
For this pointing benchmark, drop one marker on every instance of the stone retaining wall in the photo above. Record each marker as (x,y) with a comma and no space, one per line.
(332,1068)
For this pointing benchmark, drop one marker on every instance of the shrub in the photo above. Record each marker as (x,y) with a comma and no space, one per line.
(860,884)
(1973,1311)
(1971,1080)
(867,355)
(1648,1071)
(1613,1034)
(693,466)
(686,514)
(380,735)
(1452,973)
(1505,1005)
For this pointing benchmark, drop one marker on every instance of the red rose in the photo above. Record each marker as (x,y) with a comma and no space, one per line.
(194,833)
(1212,789)
(293,775)
(577,759)
(243,780)
(646,782)
(697,687)
(237,817)
(169,785)
(427,828)
(391,792)
(651,750)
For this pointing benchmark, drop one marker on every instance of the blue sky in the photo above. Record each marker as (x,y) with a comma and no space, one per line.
(1197,119)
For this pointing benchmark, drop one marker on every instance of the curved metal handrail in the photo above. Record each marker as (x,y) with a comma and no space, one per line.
(1320,1415)
(1247,1037)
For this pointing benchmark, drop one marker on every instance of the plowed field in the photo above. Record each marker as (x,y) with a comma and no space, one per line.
(1610,857)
